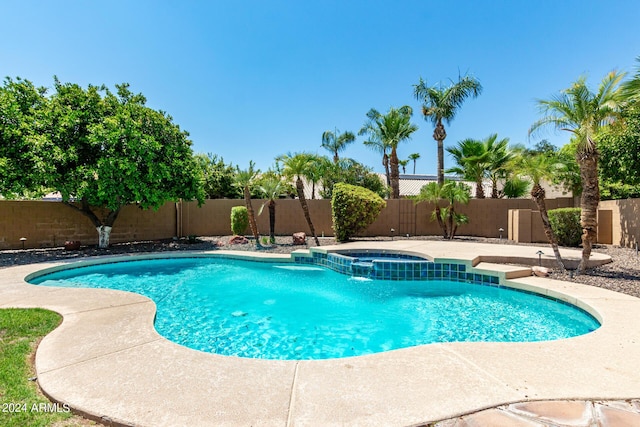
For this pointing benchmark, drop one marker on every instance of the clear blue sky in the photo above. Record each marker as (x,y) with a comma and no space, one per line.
(253,79)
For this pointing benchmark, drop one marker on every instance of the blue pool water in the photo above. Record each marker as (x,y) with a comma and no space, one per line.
(289,311)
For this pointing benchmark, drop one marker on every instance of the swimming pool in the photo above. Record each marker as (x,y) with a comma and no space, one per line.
(304,311)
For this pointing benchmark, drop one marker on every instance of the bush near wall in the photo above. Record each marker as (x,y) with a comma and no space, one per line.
(565,223)
(353,209)
(239,220)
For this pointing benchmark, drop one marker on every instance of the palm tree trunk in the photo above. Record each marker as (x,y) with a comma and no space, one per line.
(479,189)
(395,174)
(589,203)
(305,209)
(272,221)
(414,167)
(441,223)
(252,217)
(439,134)
(385,163)
(494,188)
(538,196)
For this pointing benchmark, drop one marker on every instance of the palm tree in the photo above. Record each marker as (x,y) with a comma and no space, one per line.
(583,112)
(447,217)
(472,159)
(631,88)
(414,157)
(296,166)
(336,142)
(442,103)
(245,179)
(432,193)
(271,187)
(535,168)
(404,164)
(499,157)
(391,129)
(316,171)
(376,143)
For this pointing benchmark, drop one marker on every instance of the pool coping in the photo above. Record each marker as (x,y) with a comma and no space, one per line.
(106,360)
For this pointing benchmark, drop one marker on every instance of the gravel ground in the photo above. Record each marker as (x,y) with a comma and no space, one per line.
(622,275)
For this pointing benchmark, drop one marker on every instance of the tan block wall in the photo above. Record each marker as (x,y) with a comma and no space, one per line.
(625,222)
(47,224)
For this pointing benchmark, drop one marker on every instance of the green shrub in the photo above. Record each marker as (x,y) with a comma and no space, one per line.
(353,209)
(239,220)
(565,223)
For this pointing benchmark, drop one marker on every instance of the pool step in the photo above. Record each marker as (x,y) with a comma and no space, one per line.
(510,271)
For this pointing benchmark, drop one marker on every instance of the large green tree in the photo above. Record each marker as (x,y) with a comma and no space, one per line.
(391,129)
(441,103)
(336,142)
(351,172)
(583,112)
(103,151)
(619,147)
(21,105)
(218,177)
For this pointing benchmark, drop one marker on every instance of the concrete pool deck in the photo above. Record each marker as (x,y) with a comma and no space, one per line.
(107,361)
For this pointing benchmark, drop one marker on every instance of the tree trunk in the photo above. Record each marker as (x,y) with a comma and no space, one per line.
(272,221)
(385,163)
(395,174)
(479,189)
(589,200)
(494,188)
(439,134)
(103,227)
(538,196)
(305,209)
(441,223)
(414,167)
(104,232)
(252,216)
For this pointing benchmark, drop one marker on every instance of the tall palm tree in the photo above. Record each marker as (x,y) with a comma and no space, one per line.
(442,103)
(391,129)
(582,112)
(271,188)
(535,168)
(414,157)
(245,179)
(336,142)
(297,166)
(472,160)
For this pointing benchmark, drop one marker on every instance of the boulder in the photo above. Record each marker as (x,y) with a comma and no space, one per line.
(72,245)
(238,240)
(299,238)
(540,271)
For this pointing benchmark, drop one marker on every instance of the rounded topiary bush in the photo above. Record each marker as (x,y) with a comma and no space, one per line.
(239,220)
(565,223)
(353,209)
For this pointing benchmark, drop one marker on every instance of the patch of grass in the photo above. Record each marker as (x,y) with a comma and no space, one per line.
(21,403)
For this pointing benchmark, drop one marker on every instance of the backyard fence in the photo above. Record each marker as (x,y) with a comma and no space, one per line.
(48,224)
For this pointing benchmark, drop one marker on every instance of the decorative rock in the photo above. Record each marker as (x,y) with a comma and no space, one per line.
(238,240)
(540,271)
(299,238)
(72,245)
